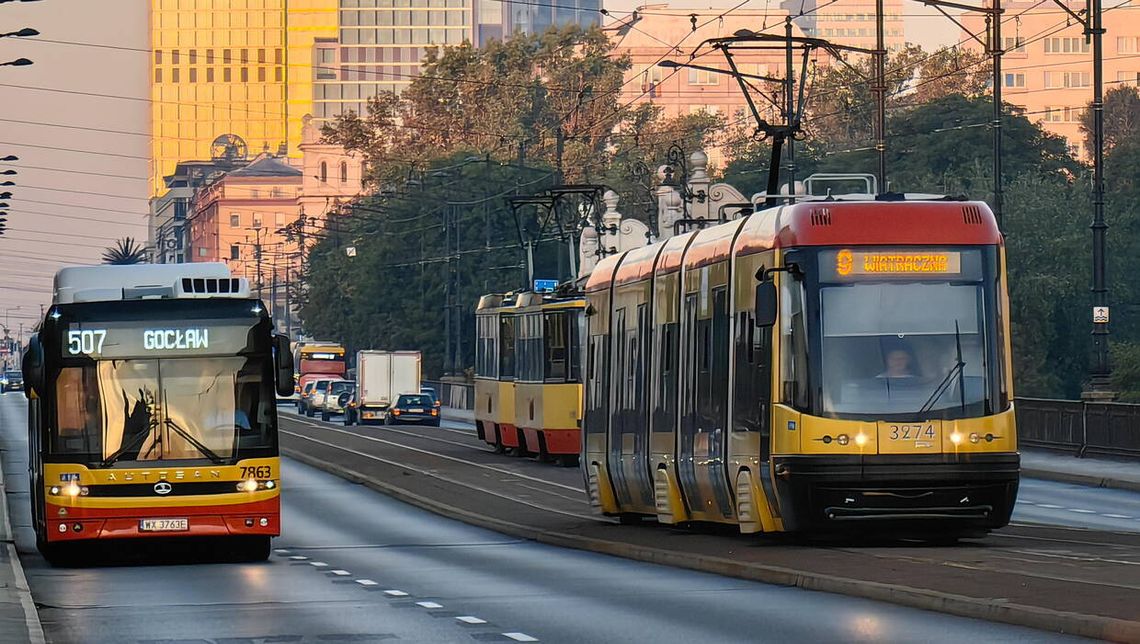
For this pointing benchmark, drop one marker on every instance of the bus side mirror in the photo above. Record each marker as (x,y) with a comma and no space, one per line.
(767,304)
(33,367)
(283,358)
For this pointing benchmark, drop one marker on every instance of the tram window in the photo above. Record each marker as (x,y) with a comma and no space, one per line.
(574,334)
(793,345)
(556,353)
(507,347)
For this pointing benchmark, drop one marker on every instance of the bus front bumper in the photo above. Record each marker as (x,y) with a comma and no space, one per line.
(897,493)
(71,524)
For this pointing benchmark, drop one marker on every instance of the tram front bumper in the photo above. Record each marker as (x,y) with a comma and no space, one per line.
(913,493)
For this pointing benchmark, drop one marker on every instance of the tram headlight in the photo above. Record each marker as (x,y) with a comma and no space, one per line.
(843,439)
(975,438)
(956,438)
(861,439)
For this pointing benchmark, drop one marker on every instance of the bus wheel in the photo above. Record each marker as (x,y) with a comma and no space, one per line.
(59,555)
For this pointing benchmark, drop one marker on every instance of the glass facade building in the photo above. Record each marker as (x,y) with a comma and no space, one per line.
(240,67)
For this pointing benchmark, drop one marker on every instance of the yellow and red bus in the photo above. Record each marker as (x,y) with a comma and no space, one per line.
(152,409)
(822,366)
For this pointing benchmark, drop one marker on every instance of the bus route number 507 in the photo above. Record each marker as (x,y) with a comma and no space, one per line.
(86,342)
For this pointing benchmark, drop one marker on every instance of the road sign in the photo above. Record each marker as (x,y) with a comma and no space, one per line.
(1100,315)
(545,286)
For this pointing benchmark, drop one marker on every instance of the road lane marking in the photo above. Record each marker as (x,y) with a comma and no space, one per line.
(1049,506)
(318,564)
(299,558)
(340,573)
(1080,511)
(1117,516)
(281,551)
(471,619)
(520,637)
(429,605)
(395,593)
(366,582)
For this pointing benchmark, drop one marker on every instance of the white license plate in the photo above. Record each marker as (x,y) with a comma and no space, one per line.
(164,525)
(415,411)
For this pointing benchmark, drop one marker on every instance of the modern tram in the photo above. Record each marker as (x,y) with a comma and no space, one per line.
(152,410)
(823,366)
(528,380)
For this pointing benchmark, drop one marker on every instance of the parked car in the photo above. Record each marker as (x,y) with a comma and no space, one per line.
(414,408)
(303,398)
(12,381)
(316,398)
(333,392)
(430,391)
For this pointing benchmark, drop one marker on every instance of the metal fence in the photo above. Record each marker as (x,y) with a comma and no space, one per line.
(1081,427)
(454,394)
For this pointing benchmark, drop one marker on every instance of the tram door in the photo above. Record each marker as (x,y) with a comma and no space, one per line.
(619,394)
(705,399)
(631,431)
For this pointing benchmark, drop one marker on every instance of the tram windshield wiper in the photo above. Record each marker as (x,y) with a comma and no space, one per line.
(957,370)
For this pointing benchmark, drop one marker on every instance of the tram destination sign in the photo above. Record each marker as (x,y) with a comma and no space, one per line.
(856,263)
(153,339)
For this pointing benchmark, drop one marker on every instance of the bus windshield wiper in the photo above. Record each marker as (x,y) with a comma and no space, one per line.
(206,451)
(958,369)
(136,441)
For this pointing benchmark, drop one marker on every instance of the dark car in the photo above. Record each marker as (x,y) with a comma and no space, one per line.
(414,408)
(429,391)
(12,381)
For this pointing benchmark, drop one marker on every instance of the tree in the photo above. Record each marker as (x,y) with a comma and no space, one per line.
(1121,117)
(125,251)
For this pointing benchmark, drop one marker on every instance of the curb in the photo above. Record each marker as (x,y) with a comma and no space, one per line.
(1092,626)
(1081,479)
(31,615)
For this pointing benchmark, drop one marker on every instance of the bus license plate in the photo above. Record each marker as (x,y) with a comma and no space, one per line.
(164,525)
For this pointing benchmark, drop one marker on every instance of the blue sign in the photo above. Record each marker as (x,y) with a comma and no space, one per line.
(545,286)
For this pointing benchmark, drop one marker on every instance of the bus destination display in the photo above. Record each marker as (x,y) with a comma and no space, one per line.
(120,341)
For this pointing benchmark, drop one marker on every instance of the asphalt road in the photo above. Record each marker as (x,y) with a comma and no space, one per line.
(356,566)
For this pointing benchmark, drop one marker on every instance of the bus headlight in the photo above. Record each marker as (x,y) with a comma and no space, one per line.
(249,485)
(71,489)
(54,490)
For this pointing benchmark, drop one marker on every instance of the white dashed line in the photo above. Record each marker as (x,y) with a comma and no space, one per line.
(1026,502)
(1116,516)
(299,558)
(341,573)
(281,551)
(470,619)
(1080,511)
(520,637)
(318,564)
(395,593)
(366,582)
(1049,506)
(429,605)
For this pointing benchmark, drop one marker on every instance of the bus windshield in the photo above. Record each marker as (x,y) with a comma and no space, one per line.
(216,408)
(912,347)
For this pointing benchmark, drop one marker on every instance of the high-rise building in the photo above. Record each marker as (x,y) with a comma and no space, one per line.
(848,23)
(233,73)
(380,44)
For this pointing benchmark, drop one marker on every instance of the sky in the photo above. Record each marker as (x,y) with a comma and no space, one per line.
(78,119)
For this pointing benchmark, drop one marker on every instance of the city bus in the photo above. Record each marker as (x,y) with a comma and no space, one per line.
(152,410)
(823,366)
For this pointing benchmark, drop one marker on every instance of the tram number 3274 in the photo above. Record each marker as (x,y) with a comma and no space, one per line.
(912,432)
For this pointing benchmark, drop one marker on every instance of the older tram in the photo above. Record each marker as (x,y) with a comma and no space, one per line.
(818,366)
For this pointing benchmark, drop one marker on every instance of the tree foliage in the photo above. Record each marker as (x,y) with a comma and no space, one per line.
(1121,117)
(125,251)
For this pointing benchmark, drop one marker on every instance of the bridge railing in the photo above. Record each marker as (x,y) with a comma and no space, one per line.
(458,395)
(1109,428)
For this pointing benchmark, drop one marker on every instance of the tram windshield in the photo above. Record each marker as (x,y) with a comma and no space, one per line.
(214,408)
(907,334)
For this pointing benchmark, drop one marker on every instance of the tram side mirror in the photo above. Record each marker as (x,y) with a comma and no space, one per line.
(766,303)
(283,359)
(33,367)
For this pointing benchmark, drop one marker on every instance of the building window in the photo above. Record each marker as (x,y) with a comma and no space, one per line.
(245,74)
(1066,46)
(235,251)
(344,172)
(703,77)
(193,74)
(158,56)
(278,56)
(201,252)
(1015,80)
(158,74)
(1127,44)
(209,56)
(261,56)
(244,57)
(1127,77)
(226,57)
(1014,44)
(174,57)
(235,220)
(174,75)
(209,74)
(277,74)
(193,56)
(324,172)
(1058,80)
(261,74)
(227,74)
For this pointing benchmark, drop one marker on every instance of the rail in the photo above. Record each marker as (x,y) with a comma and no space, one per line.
(458,395)
(1106,428)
